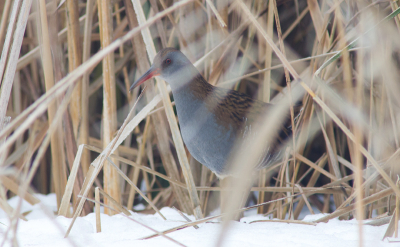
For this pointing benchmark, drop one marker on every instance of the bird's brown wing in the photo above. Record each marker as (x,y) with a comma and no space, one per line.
(241,109)
(246,116)
(237,107)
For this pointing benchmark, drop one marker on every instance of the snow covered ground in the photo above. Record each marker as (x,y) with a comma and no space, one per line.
(117,230)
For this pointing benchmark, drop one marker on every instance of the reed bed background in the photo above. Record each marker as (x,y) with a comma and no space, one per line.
(69,123)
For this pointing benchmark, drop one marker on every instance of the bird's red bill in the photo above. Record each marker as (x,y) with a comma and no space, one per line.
(146,76)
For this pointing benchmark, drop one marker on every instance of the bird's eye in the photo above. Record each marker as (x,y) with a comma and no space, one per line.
(167,61)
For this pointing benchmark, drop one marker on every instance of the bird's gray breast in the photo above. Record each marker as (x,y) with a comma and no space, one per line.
(207,141)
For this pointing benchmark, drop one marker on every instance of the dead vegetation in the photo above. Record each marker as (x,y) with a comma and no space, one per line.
(65,72)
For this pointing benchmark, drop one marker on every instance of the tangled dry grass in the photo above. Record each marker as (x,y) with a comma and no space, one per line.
(66,68)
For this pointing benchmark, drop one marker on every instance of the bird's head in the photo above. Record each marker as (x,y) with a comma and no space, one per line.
(169,64)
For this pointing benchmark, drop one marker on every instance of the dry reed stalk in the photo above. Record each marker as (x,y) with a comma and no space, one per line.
(138,45)
(308,189)
(74,119)
(185,217)
(346,65)
(6,79)
(84,134)
(316,16)
(16,102)
(295,23)
(8,209)
(286,221)
(64,207)
(214,10)
(135,172)
(121,25)
(71,150)
(122,54)
(3,22)
(351,207)
(396,216)
(310,183)
(111,179)
(97,209)
(26,59)
(315,167)
(57,147)
(225,184)
(181,39)
(74,60)
(7,42)
(136,188)
(305,199)
(292,116)
(119,65)
(369,138)
(265,91)
(38,133)
(122,150)
(333,163)
(268,54)
(391,227)
(159,24)
(117,206)
(14,187)
(359,135)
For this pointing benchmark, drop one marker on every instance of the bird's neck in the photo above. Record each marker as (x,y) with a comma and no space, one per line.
(190,92)
(190,85)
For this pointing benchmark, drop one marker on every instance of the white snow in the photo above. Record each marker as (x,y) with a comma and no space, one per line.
(118,230)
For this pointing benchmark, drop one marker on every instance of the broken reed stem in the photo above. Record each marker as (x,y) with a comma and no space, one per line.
(288,82)
(373,198)
(57,147)
(358,133)
(139,158)
(265,91)
(74,60)
(84,135)
(288,85)
(212,7)
(8,40)
(118,206)
(111,178)
(3,21)
(397,210)
(97,209)
(7,79)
